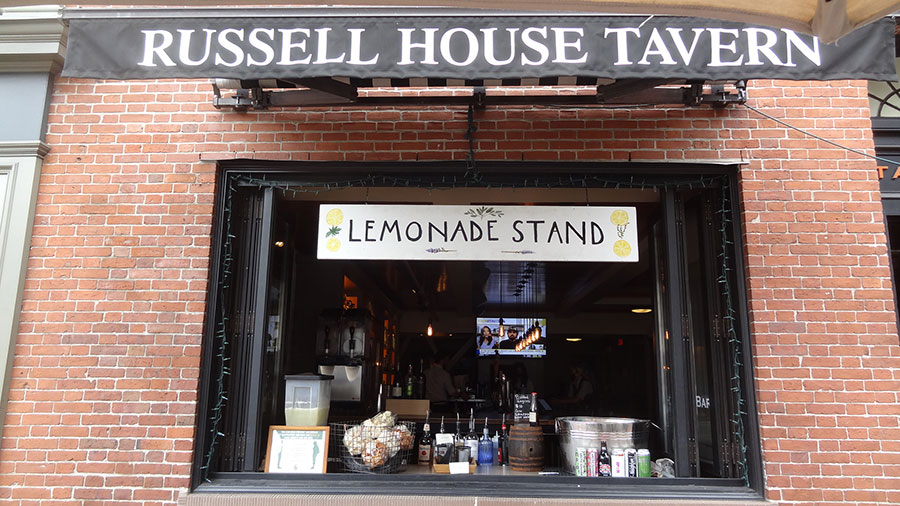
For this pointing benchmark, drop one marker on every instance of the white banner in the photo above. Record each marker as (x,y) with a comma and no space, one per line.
(510,233)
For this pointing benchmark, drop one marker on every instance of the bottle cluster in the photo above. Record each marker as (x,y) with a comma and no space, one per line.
(629,463)
(483,451)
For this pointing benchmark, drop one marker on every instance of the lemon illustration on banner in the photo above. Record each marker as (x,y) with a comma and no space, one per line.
(621,248)
(334,218)
(619,217)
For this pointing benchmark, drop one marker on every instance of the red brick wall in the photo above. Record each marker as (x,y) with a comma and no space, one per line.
(105,376)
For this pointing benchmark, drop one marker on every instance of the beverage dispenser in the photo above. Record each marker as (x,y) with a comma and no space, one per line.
(307,399)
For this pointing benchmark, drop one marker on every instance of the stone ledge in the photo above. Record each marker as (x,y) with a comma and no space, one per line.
(205,499)
(24,149)
(32,39)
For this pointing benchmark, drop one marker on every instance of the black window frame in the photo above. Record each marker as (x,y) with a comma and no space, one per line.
(531,486)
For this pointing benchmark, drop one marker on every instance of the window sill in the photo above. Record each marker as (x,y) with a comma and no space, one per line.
(372,489)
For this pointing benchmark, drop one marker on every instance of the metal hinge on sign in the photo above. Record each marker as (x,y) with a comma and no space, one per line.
(692,445)
(726,450)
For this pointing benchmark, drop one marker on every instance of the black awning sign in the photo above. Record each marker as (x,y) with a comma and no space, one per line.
(470,47)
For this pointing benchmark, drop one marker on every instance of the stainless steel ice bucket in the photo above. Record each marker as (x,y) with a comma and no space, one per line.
(589,431)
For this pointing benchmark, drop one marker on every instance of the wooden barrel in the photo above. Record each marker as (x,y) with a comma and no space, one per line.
(526,448)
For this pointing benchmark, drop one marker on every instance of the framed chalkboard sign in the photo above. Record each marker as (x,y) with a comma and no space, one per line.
(522,408)
(297,450)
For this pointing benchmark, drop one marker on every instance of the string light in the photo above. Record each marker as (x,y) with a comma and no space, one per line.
(724,280)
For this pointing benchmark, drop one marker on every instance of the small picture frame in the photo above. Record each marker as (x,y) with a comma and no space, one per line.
(302,450)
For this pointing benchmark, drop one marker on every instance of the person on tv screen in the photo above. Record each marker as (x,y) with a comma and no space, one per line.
(486,339)
(512,338)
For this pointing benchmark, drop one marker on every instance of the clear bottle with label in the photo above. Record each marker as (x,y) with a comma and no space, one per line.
(471,438)
(533,412)
(409,386)
(425,444)
(495,441)
(485,448)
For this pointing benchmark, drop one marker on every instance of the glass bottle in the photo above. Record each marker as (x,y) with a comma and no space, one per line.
(458,442)
(471,439)
(410,384)
(485,448)
(503,445)
(420,381)
(425,444)
(495,441)
(533,413)
(604,463)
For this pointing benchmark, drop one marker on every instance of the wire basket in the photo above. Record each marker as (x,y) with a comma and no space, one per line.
(372,449)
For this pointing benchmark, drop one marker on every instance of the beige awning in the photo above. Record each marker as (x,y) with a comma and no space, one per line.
(828,19)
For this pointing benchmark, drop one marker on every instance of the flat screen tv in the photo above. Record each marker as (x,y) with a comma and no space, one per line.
(489,342)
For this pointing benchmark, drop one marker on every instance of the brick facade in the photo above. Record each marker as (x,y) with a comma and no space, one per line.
(103,399)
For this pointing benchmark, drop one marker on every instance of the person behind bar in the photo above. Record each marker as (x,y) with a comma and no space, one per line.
(438,382)
(579,392)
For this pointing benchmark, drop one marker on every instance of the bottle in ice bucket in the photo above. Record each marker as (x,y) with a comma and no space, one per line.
(643,457)
(619,468)
(604,461)
(631,463)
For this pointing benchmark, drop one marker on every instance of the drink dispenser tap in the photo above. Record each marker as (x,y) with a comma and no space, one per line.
(352,344)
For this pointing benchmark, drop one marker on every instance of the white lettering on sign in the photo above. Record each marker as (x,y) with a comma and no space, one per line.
(703,402)
(461,46)
(562,45)
(489,46)
(407,45)
(288,45)
(156,48)
(231,47)
(723,43)
(184,46)
(718,46)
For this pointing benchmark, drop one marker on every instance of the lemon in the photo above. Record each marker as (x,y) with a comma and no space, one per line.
(621,248)
(334,217)
(619,217)
(333,244)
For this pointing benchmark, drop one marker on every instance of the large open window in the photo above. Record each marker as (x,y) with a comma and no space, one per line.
(662,339)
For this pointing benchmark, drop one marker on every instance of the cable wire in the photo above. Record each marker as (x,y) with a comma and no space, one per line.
(805,132)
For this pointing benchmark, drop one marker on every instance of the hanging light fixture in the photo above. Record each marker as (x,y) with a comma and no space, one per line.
(429,331)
